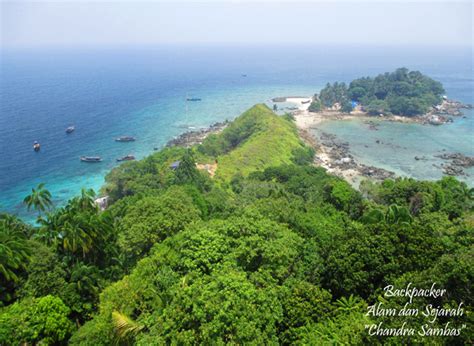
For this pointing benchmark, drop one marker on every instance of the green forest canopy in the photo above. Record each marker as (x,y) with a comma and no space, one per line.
(279,253)
(401,92)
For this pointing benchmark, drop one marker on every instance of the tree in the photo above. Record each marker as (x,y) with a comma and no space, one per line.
(186,172)
(398,215)
(153,219)
(39,199)
(303,304)
(357,93)
(46,273)
(401,92)
(77,228)
(225,307)
(344,197)
(377,107)
(37,321)
(315,106)
(346,106)
(15,252)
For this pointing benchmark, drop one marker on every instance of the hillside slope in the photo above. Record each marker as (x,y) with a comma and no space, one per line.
(257,139)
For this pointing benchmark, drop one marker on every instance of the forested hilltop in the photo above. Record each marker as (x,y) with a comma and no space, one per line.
(401,92)
(253,245)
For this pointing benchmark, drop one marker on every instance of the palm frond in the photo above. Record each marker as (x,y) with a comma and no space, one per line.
(124,326)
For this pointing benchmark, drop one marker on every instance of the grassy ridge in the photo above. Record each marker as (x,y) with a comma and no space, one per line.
(254,141)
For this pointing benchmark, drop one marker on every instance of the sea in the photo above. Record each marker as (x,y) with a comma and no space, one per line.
(135,91)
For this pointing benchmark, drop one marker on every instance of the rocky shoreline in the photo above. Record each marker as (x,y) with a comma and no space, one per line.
(444,112)
(438,115)
(457,163)
(334,154)
(336,157)
(190,138)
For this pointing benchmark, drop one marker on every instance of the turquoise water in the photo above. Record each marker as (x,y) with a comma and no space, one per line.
(141,92)
(399,143)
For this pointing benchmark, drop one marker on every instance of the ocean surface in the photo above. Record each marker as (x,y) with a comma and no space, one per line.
(141,92)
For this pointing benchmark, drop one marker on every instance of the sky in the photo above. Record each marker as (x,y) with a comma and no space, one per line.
(111,23)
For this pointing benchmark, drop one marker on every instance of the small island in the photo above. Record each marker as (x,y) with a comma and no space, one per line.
(402,95)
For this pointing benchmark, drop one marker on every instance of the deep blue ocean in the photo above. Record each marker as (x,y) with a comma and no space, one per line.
(141,91)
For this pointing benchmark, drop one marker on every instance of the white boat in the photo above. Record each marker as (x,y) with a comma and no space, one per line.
(91,159)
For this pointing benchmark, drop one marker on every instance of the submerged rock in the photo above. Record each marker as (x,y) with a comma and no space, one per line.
(339,153)
(458,163)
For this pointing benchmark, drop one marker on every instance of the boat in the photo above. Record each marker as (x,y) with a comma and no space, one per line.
(36,146)
(126,158)
(193,99)
(91,159)
(70,129)
(125,139)
(307,101)
(243,75)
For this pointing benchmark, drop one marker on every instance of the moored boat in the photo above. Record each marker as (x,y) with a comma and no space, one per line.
(36,146)
(126,158)
(91,159)
(125,139)
(70,129)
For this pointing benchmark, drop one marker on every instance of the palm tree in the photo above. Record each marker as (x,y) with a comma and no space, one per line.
(87,200)
(85,278)
(39,199)
(50,225)
(76,237)
(14,251)
(398,215)
(78,228)
(125,327)
(467,194)
(348,304)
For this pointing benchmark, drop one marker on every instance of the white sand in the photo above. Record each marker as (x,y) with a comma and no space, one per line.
(306,120)
(298,101)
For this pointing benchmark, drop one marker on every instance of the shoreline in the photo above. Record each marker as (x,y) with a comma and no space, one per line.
(334,155)
(331,154)
(194,137)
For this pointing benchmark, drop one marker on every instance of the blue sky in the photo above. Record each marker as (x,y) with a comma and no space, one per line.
(103,23)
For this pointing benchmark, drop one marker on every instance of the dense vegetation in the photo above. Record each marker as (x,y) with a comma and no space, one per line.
(401,92)
(278,253)
(253,141)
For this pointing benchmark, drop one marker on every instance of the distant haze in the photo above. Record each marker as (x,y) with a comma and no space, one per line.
(78,23)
